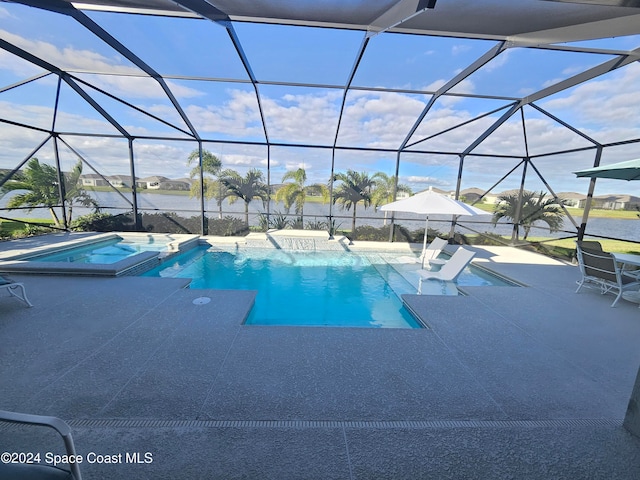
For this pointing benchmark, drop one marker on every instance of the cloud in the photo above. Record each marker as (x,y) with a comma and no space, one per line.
(498,62)
(423,180)
(605,108)
(17,66)
(379,120)
(302,118)
(68,57)
(4,13)
(460,48)
(247,161)
(132,83)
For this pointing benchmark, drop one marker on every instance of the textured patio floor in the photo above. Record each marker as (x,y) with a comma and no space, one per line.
(527,383)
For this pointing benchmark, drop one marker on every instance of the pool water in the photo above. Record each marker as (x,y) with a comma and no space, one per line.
(300,288)
(105,252)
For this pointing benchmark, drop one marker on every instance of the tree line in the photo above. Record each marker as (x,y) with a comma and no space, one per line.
(348,188)
(41,185)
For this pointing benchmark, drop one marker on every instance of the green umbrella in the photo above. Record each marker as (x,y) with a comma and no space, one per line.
(629,170)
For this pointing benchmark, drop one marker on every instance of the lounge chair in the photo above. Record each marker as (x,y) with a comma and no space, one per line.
(599,269)
(428,255)
(16,289)
(451,269)
(40,470)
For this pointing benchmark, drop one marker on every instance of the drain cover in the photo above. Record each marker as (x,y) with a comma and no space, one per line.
(201,301)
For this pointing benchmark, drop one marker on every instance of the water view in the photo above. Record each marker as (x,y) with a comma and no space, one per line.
(318,212)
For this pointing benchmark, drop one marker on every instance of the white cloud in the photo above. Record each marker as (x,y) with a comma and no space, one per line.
(605,108)
(423,180)
(460,48)
(131,84)
(435,85)
(379,119)
(17,66)
(498,62)
(67,57)
(311,118)
(247,161)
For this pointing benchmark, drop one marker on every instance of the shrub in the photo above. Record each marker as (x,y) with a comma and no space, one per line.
(104,222)
(228,227)
(159,222)
(317,225)
(381,234)
(555,251)
(278,221)
(170,222)
(486,238)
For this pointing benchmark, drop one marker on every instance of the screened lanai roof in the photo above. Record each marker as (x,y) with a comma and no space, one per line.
(405,87)
(545,21)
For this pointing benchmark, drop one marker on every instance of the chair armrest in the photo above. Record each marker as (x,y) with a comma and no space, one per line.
(438,261)
(428,274)
(54,422)
(57,424)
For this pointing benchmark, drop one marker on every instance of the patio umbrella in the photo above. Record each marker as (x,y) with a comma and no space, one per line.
(629,170)
(431,203)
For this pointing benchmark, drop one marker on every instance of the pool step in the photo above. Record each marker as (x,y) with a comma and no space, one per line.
(397,282)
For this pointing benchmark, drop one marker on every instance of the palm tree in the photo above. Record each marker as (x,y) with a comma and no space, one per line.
(246,188)
(40,182)
(535,207)
(295,192)
(74,192)
(211,165)
(384,190)
(355,187)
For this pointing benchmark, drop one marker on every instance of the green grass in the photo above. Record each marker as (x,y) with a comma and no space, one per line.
(578,212)
(607,245)
(16,225)
(559,248)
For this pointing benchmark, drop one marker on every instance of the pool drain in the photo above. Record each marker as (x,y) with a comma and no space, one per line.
(201,301)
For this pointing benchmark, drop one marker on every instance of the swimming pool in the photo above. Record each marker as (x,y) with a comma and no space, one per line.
(301,288)
(105,252)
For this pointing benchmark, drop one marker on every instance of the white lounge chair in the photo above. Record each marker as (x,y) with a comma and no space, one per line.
(428,255)
(16,289)
(451,269)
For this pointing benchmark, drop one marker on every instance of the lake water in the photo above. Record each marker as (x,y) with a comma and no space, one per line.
(185,206)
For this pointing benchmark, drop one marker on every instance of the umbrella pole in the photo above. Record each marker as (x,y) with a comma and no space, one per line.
(424,242)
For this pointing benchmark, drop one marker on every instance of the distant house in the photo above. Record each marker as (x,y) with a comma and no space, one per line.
(438,190)
(186,180)
(471,195)
(158,182)
(93,180)
(494,198)
(616,202)
(573,199)
(119,181)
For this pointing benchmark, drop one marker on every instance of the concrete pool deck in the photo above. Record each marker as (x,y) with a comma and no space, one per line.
(527,383)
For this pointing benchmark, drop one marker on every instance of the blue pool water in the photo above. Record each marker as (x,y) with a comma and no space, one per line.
(105,252)
(300,288)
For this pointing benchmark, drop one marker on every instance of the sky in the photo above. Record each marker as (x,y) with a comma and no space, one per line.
(604,109)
